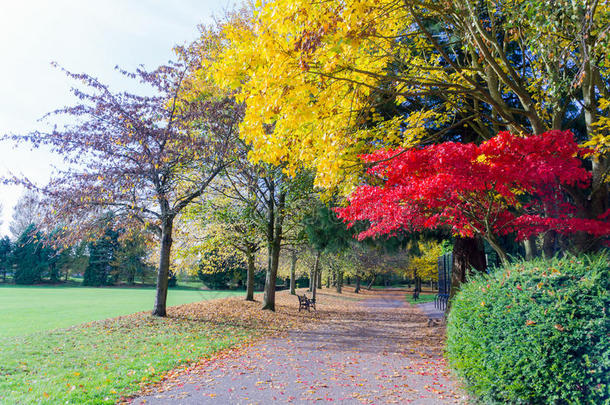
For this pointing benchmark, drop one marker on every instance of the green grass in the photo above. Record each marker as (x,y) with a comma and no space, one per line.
(98,363)
(27,309)
(423,298)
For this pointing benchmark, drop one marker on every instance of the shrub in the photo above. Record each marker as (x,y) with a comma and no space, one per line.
(535,332)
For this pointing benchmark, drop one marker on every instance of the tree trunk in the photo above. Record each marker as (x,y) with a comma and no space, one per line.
(315,270)
(310,288)
(339,281)
(468,256)
(357,290)
(597,202)
(293,266)
(271,278)
(163,272)
(368,287)
(319,278)
(531,251)
(250,276)
(548,244)
(276,222)
(328,280)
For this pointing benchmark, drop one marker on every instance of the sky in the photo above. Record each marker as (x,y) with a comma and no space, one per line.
(82,36)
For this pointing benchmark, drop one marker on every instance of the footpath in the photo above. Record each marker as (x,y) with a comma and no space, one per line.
(384,353)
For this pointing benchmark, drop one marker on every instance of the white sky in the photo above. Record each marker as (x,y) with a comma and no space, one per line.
(83,36)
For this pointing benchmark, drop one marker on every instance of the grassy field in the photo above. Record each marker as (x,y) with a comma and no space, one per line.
(27,310)
(96,362)
(99,362)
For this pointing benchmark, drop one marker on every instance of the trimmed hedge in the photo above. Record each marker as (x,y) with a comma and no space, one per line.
(535,332)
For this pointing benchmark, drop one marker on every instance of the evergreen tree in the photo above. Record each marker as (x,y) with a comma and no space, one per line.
(102,253)
(30,257)
(5,256)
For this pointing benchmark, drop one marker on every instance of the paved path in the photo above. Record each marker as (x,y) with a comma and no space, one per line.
(387,356)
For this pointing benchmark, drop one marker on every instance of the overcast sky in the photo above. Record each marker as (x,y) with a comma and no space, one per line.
(82,36)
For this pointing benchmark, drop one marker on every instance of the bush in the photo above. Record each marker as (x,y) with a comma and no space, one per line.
(535,332)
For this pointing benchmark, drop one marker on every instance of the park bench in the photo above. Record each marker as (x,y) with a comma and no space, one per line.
(306,303)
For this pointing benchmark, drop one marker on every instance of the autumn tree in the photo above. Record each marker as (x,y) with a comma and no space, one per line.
(143,157)
(508,184)
(315,75)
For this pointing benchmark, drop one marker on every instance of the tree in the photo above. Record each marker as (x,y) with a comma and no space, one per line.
(327,234)
(145,158)
(102,256)
(130,258)
(30,257)
(488,66)
(509,184)
(27,211)
(6,248)
(425,263)
(455,70)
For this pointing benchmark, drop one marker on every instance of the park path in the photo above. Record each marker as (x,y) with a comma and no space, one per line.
(386,356)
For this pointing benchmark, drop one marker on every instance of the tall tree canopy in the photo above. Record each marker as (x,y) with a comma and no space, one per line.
(314,76)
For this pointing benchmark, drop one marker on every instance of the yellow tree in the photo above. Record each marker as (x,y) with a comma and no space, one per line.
(312,73)
(425,265)
(326,81)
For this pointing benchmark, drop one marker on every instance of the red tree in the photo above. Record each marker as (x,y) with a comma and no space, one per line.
(509,184)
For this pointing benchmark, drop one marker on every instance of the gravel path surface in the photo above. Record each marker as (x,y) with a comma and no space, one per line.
(383,357)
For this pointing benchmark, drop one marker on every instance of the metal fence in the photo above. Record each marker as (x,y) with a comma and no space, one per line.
(445,263)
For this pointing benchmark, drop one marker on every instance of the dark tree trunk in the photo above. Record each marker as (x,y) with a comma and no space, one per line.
(293,265)
(468,257)
(250,276)
(368,287)
(548,244)
(339,281)
(319,277)
(163,272)
(316,269)
(275,226)
(357,290)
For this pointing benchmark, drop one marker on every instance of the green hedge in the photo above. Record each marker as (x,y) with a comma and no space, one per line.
(535,333)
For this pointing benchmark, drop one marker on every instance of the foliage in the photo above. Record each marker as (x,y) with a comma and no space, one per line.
(101,258)
(31,257)
(316,76)
(217,272)
(6,248)
(508,184)
(131,259)
(425,264)
(145,158)
(325,231)
(27,211)
(535,332)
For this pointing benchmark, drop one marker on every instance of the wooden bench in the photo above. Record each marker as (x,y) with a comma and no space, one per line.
(306,303)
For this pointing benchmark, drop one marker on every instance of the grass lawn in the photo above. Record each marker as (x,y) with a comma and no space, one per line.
(423,298)
(99,362)
(28,309)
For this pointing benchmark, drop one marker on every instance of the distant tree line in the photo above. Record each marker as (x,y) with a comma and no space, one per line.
(32,258)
